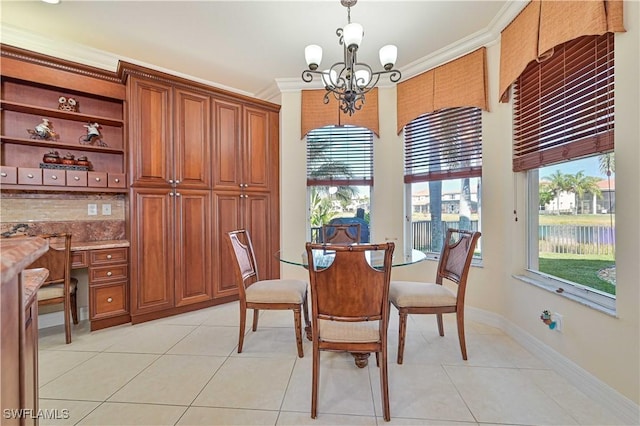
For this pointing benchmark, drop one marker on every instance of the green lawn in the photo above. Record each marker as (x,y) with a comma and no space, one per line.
(576,219)
(579,269)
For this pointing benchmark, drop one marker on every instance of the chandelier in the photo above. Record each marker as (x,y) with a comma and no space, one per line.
(348,81)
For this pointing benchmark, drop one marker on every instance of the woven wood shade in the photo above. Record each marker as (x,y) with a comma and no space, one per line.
(459,83)
(317,114)
(547,24)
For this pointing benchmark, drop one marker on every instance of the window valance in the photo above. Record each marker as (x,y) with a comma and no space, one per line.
(317,114)
(459,83)
(545,24)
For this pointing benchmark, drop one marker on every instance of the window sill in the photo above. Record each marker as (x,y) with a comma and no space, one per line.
(570,291)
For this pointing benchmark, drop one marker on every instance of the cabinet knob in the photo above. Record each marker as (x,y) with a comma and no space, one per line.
(109,299)
(177,194)
(76,178)
(177,181)
(116,180)
(108,256)
(3,174)
(109,273)
(171,181)
(97,179)
(171,194)
(30,176)
(54,177)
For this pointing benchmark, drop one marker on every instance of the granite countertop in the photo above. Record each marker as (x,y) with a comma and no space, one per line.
(96,245)
(18,253)
(32,279)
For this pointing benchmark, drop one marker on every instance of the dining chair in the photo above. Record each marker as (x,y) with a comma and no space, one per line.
(60,287)
(350,308)
(347,233)
(411,297)
(256,294)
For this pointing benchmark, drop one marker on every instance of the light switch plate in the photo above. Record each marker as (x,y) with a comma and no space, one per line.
(92,209)
(106,209)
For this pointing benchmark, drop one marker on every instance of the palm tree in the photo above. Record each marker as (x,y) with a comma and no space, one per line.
(557,183)
(580,184)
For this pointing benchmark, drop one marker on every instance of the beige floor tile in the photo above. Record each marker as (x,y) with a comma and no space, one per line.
(189,318)
(115,413)
(151,338)
(224,315)
(269,342)
(277,318)
(506,395)
(208,340)
(83,339)
(227,416)
(171,379)
(399,421)
(65,412)
(289,418)
(251,383)
(52,364)
(97,378)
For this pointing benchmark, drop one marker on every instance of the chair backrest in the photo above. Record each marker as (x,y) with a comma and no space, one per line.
(349,289)
(246,269)
(347,233)
(456,256)
(57,259)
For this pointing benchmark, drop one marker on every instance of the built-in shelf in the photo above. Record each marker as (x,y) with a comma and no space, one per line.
(56,144)
(49,188)
(56,113)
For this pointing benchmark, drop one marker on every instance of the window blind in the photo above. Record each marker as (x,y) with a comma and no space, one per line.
(564,106)
(445,144)
(340,156)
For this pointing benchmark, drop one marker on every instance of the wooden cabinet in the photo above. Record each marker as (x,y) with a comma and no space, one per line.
(37,87)
(108,286)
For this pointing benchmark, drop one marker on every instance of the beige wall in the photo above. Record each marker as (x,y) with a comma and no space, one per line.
(604,345)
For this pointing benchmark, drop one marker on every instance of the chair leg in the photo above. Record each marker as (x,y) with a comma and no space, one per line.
(440,324)
(67,318)
(243,324)
(307,324)
(74,308)
(463,345)
(401,334)
(384,383)
(298,325)
(256,313)
(315,380)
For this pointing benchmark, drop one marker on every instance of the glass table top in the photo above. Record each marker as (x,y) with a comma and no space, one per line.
(298,256)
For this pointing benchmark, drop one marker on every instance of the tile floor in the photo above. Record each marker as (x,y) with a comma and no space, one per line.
(184,370)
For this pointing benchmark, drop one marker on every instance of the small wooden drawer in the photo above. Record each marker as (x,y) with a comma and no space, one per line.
(76,178)
(109,256)
(116,180)
(53,177)
(79,259)
(108,300)
(29,176)
(97,179)
(8,174)
(107,273)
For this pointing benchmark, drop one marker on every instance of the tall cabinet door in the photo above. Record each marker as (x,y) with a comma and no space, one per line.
(193,246)
(257,155)
(256,219)
(227,208)
(150,139)
(227,170)
(192,140)
(152,248)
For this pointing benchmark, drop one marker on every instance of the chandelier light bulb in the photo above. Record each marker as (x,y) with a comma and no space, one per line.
(313,56)
(329,78)
(362,78)
(388,56)
(352,35)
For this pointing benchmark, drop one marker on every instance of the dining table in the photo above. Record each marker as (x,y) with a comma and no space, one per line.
(323,257)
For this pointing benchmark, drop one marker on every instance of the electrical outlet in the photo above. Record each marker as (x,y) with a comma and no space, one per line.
(92,209)
(558,319)
(106,209)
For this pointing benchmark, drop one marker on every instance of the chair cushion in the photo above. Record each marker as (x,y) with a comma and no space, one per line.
(419,294)
(276,291)
(350,332)
(53,291)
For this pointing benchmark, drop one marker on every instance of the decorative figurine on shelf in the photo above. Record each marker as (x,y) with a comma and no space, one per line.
(68,104)
(43,131)
(93,135)
(52,157)
(84,162)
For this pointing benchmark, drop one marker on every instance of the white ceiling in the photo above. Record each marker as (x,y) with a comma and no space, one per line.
(249,45)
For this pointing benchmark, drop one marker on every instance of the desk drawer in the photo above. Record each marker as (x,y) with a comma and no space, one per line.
(97,179)
(29,176)
(108,300)
(107,273)
(53,177)
(116,180)
(79,259)
(109,256)
(8,175)
(76,178)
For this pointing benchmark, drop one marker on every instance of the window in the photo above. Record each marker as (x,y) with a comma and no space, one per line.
(443,165)
(339,177)
(563,138)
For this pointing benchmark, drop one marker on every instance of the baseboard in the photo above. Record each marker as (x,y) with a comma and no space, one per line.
(625,409)
(54,319)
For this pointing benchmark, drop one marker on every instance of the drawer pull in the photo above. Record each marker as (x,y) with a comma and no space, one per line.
(3,174)
(109,273)
(54,177)
(30,176)
(116,180)
(76,178)
(108,256)
(109,299)
(97,179)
